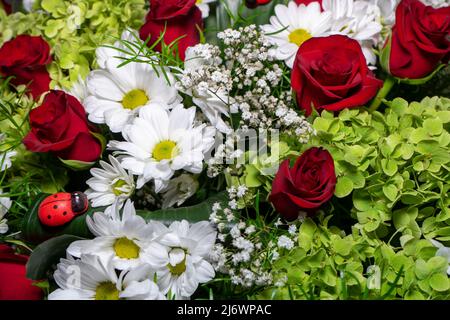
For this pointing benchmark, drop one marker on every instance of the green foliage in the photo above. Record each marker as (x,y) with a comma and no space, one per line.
(74,29)
(396,166)
(330,264)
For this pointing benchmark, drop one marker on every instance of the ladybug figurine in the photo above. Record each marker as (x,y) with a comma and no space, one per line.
(60,208)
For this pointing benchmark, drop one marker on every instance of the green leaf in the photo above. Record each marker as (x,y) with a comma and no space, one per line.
(77,165)
(34,232)
(195,213)
(47,254)
(344,187)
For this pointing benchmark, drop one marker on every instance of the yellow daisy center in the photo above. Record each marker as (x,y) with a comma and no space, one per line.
(298,36)
(117,186)
(135,98)
(199,2)
(165,150)
(179,269)
(126,248)
(106,291)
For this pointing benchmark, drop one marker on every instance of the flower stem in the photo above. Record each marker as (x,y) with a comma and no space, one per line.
(387,86)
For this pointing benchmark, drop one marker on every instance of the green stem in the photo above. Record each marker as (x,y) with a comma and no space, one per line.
(387,86)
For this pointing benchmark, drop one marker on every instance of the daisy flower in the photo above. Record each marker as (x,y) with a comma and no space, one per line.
(110,184)
(179,257)
(179,190)
(294,24)
(203,5)
(122,238)
(5,204)
(160,142)
(115,94)
(359,20)
(90,278)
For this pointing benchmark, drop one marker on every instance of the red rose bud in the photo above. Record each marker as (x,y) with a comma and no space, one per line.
(179,20)
(60,126)
(306,186)
(420,40)
(14,284)
(252,4)
(25,58)
(331,73)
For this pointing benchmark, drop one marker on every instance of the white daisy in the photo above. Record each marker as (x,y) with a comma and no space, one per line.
(442,251)
(109,184)
(359,20)
(90,278)
(179,257)
(28,5)
(179,190)
(160,142)
(5,204)
(294,24)
(6,157)
(122,238)
(115,94)
(203,5)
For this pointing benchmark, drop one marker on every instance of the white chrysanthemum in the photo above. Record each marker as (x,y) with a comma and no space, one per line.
(5,204)
(28,5)
(122,238)
(179,257)
(387,10)
(110,184)
(179,190)
(203,5)
(5,157)
(91,278)
(359,20)
(294,24)
(115,94)
(160,142)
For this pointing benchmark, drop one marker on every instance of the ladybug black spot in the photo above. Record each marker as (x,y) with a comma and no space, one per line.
(49,217)
(55,207)
(64,213)
(55,196)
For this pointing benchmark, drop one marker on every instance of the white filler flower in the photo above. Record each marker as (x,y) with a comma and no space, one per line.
(179,257)
(90,278)
(160,142)
(294,24)
(109,184)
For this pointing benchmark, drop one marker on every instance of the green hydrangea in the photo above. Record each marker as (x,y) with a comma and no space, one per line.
(395,166)
(74,29)
(330,264)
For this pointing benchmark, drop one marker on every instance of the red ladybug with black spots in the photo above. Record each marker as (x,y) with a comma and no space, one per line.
(60,208)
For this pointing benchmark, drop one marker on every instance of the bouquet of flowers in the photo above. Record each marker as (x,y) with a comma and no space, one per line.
(258,149)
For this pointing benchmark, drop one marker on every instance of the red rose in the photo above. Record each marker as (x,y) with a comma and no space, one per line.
(13,282)
(306,186)
(331,73)
(6,6)
(420,40)
(306,2)
(25,58)
(180,19)
(59,126)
